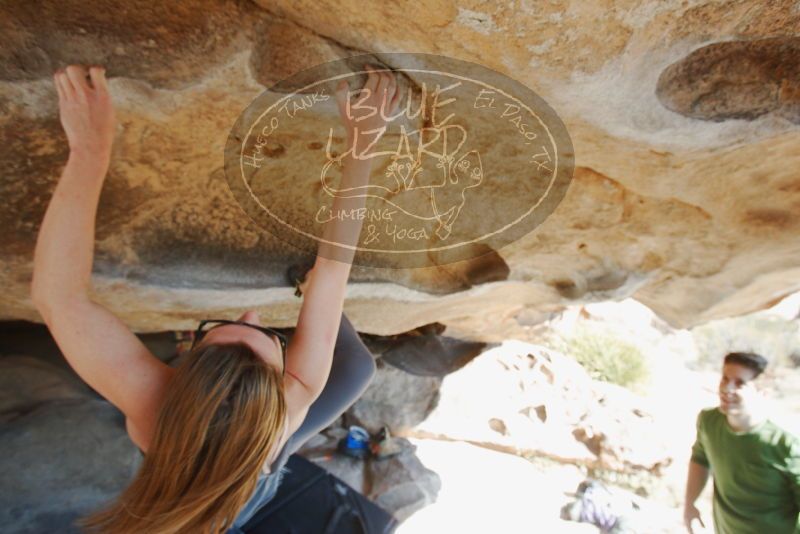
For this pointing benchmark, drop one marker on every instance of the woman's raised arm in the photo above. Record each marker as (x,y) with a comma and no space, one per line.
(98,346)
(64,249)
(310,351)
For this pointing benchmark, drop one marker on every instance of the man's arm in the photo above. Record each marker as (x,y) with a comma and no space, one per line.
(98,346)
(696,479)
(695,483)
(310,352)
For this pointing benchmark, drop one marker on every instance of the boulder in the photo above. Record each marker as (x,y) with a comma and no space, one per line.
(528,400)
(402,484)
(26,382)
(61,461)
(424,351)
(396,399)
(684,197)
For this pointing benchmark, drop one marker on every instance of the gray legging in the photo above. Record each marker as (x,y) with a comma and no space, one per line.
(352,369)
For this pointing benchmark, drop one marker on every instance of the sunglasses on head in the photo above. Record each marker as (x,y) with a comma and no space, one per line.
(202,330)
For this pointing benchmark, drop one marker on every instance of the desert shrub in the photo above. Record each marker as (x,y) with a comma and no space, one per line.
(606,356)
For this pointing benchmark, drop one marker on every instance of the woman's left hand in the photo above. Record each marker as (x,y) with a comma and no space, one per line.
(375,102)
(86,110)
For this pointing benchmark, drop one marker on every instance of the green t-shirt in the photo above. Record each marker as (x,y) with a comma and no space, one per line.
(756,475)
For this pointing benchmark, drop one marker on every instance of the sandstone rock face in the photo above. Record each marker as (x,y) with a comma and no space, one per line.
(683,116)
(733,80)
(528,400)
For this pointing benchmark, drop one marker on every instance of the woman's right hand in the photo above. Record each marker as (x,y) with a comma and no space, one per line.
(86,111)
(368,111)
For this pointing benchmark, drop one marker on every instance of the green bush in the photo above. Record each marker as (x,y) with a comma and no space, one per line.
(606,357)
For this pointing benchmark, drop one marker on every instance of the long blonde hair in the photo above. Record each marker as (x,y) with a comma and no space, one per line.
(220,419)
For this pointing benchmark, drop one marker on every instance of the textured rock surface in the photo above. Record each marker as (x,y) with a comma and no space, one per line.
(65,451)
(527,400)
(424,351)
(694,212)
(396,399)
(736,80)
(75,455)
(26,382)
(404,485)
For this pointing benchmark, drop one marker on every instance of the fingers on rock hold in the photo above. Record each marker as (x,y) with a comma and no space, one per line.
(57,83)
(98,77)
(65,84)
(77,78)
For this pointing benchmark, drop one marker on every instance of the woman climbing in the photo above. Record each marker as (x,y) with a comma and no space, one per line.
(217,428)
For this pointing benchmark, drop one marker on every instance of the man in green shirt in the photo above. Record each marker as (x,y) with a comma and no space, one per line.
(754,462)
